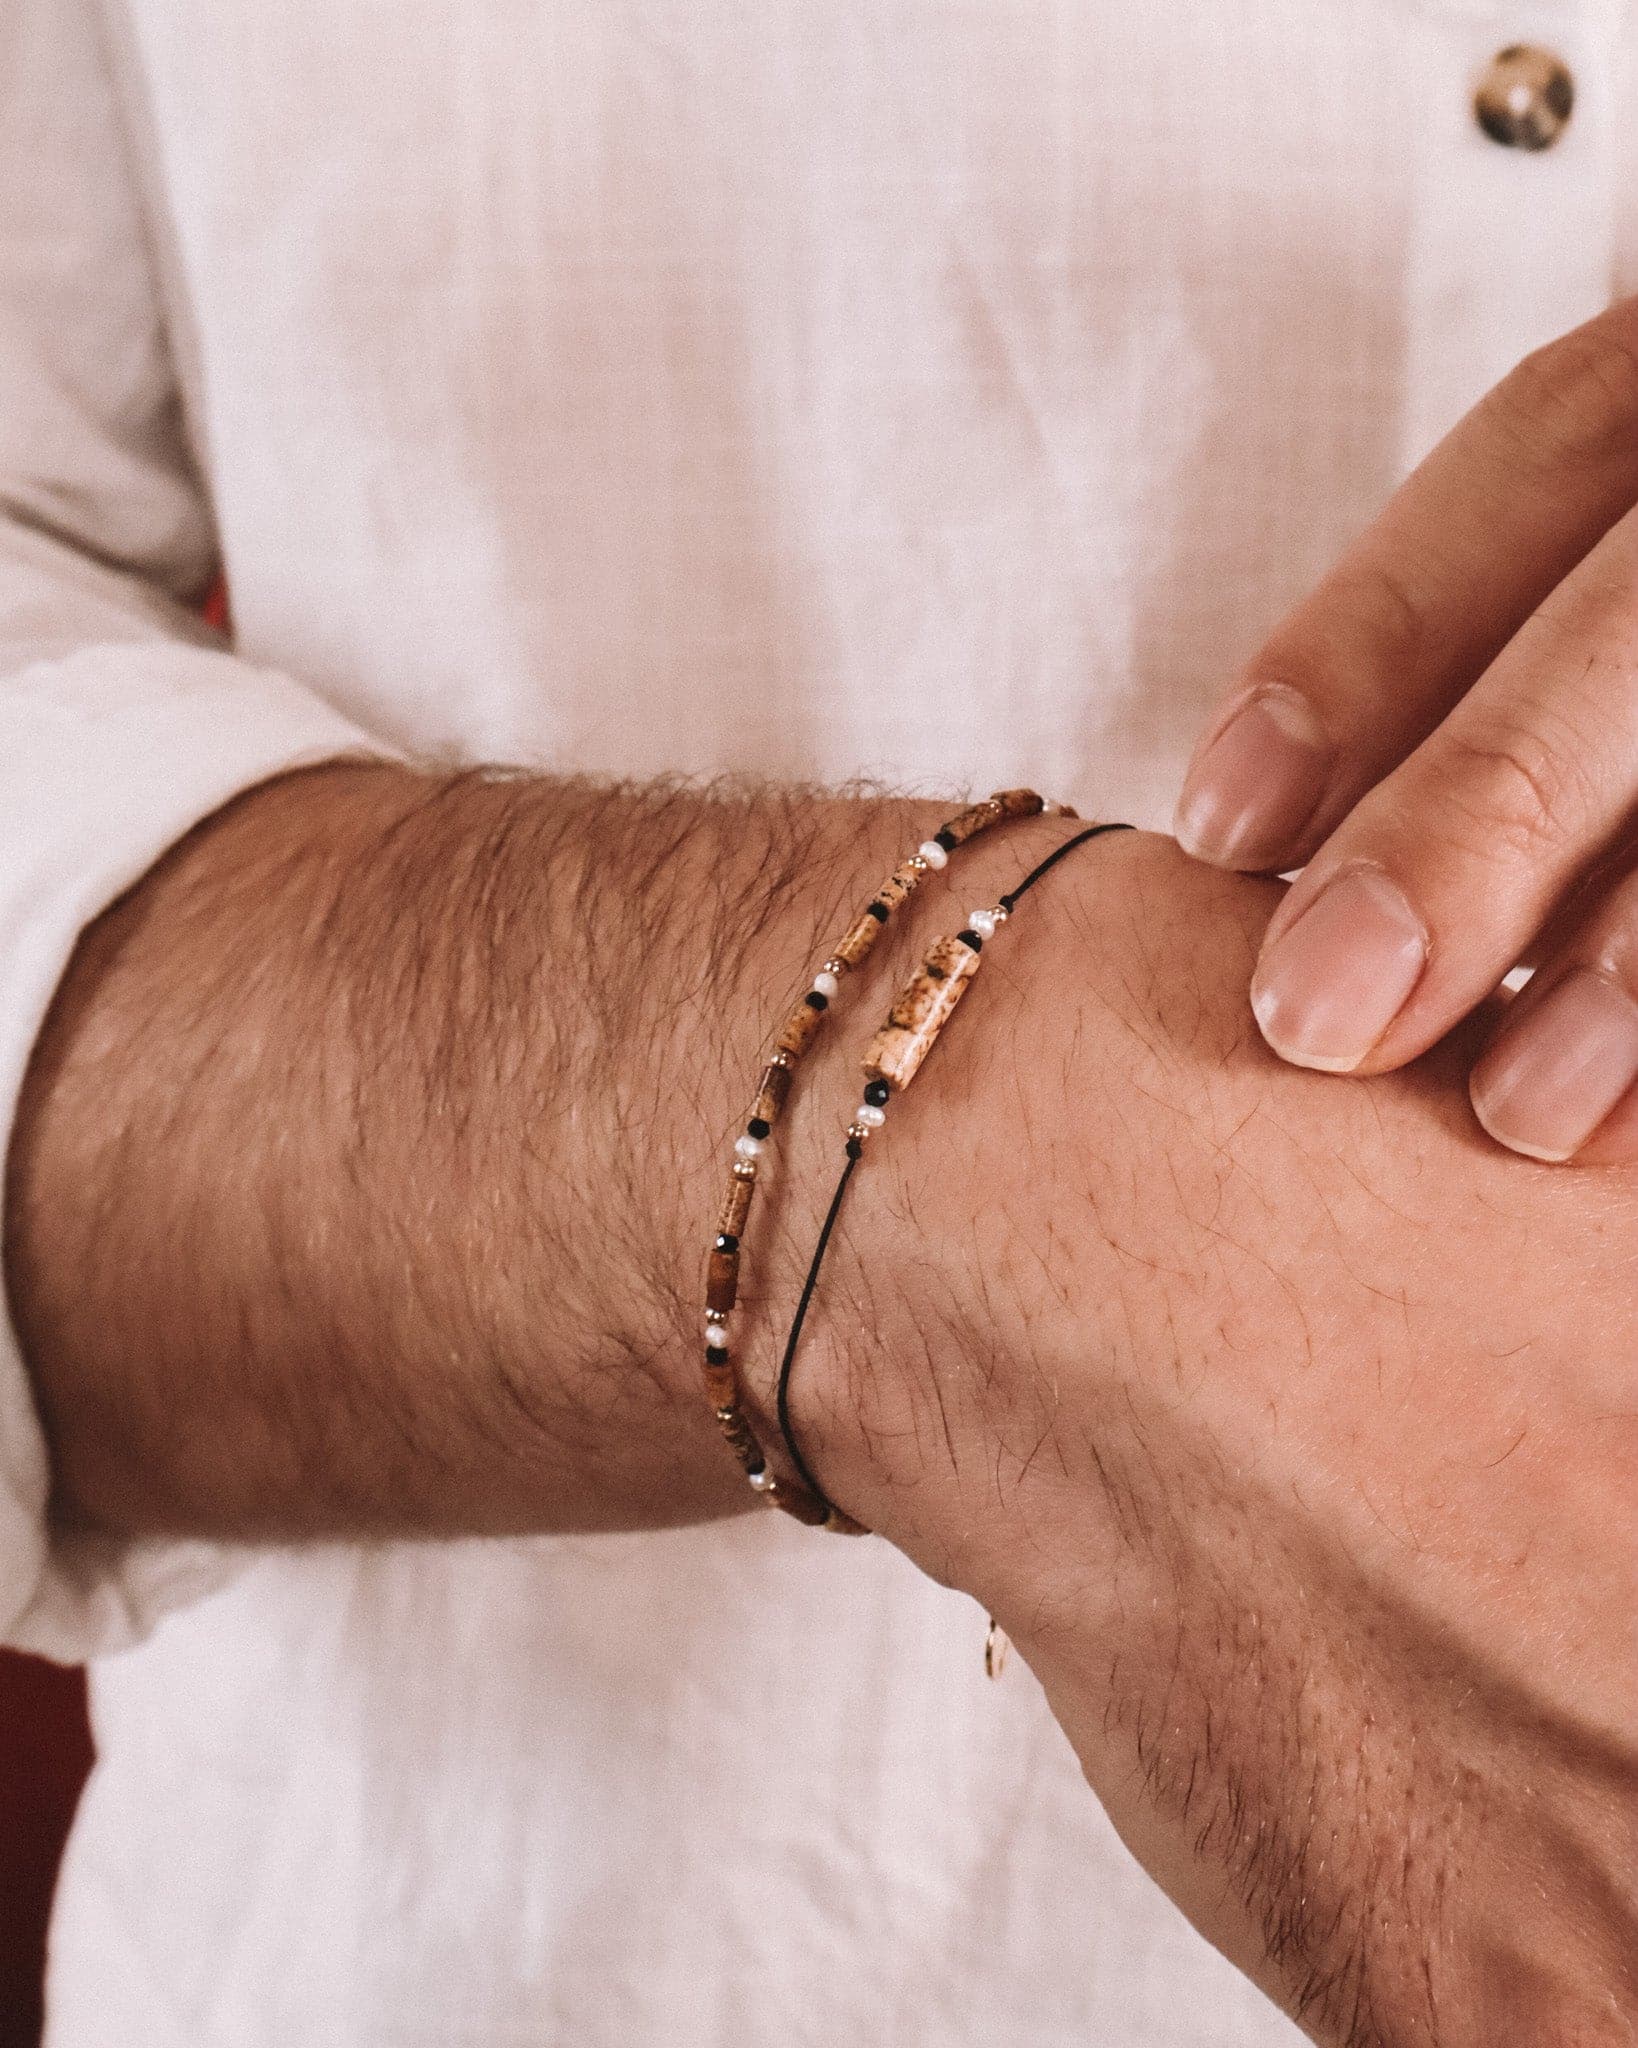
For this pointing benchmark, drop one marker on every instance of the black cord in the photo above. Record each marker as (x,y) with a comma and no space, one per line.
(791,1342)
(783,1397)
(1057,854)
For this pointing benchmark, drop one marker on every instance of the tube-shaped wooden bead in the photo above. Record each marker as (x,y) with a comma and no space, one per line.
(772,1091)
(859,938)
(721,1384)
(902,882)
(721,1280)
(741,1441)
(797,1501)
(968,824)
(924,1006)
(800,1029)
(736,1206)
(1018,803)
(1005,803)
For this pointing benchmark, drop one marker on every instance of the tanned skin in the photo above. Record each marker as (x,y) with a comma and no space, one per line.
(362,1182)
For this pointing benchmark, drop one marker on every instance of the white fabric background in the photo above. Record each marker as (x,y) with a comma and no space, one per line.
(952,390)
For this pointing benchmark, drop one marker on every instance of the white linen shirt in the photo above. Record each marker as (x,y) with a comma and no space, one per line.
(952,391)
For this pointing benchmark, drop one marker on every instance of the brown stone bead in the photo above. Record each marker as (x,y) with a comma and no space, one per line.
(736,1206)
(740,1437)
(721,1280)
(1020,803)
(800,1029)
(807,1508)
(969,823)
(920,1014)
(1005,803)
(772,1091)
(902,882)
(722,1384)
(859,938)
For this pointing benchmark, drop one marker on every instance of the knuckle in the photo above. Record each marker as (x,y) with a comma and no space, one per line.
(1577,398)
(1391,611)
(1363,618)
(1508,790)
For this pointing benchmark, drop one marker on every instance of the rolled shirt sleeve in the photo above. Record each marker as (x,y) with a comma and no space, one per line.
(123,719)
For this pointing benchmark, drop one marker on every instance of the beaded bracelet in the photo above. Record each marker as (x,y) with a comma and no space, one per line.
(796,1036)
(893,1059)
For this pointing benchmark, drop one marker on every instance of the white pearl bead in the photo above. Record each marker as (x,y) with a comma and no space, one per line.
(748,1147)
(761,1481)
(825,983)
(870,1116)
(933,853)
(716,1335)
(982,922)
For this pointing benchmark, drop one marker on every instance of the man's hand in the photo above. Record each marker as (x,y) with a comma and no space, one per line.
(1292,1432)
(1446,732)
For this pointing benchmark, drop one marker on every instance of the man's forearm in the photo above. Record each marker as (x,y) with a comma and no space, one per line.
(364,1169)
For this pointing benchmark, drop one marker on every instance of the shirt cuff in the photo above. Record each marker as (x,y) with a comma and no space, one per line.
(108,756)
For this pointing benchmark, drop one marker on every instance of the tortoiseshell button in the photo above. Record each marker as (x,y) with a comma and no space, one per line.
(1525,97)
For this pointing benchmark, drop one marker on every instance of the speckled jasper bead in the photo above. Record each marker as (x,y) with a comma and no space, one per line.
(920,1014)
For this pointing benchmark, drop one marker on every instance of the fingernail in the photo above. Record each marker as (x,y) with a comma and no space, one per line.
(1551,1079)
(1332,982)
(1257,784)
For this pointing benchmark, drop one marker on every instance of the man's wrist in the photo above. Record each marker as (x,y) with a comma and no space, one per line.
(926,1286)
(798,1171)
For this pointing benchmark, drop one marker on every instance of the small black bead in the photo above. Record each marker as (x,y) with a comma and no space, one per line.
(972,940)
(715,1355)
(878,911)
(876,1094)
(759,1127)
(854,1149)
(946,840)
(815,1001)
(727,1242)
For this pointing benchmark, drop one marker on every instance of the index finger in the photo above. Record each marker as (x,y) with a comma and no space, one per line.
(1372,662)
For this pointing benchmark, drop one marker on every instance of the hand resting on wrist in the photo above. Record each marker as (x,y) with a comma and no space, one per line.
(1288,1429)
